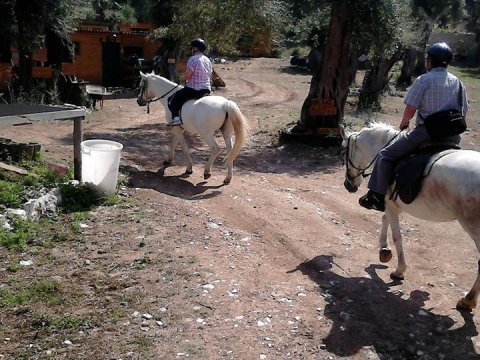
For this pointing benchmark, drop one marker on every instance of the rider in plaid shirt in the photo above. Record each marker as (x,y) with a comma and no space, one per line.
(197,76)
(434,91)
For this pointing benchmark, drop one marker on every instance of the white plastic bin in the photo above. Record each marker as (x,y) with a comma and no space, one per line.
(100,163)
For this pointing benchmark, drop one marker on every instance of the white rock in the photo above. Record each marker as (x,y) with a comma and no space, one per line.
(212,225)
(147,316)
(68,342)
(26,262)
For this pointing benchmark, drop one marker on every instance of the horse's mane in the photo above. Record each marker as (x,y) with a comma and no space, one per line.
(379,127)
(158,77)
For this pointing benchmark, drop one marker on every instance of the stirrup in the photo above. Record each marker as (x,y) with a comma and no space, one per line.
(175,122)
(373,201)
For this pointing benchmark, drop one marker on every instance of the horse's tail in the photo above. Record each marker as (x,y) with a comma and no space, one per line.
(240,127)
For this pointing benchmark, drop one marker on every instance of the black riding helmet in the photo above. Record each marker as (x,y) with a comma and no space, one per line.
(440,54)
(200,44)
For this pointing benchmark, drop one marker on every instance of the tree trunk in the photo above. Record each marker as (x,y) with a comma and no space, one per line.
(375,82)
(324,105)
(408,69)
(25,70)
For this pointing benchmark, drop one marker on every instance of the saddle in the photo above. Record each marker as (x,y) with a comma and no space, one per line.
(411,170)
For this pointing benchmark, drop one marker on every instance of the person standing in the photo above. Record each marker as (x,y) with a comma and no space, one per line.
(432,92)
(198,80)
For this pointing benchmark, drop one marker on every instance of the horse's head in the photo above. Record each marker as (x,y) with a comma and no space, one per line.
(360,150)
(352,178)
(144,94)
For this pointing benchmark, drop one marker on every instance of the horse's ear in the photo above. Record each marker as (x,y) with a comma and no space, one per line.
(142,74)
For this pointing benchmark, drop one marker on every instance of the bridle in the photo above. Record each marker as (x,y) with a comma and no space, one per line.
(143,90)
(348,159)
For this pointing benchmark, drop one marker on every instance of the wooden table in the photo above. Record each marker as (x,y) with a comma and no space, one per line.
(19,114)
(97,92)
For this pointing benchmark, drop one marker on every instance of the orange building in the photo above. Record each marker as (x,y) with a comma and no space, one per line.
(111,58)
(102,56)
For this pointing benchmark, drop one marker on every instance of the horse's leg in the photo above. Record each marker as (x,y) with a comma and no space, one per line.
(392,218)
(385,252)
(171,151)
(178,137)
(470,300)
(214,151)
(227,136)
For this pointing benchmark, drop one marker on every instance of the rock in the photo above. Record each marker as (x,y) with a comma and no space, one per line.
(44,205)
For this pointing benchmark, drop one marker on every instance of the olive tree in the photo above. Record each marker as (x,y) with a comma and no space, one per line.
(34,24)
(324,105)
(228,26)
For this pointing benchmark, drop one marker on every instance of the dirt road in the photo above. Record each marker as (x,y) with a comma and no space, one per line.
(280,264)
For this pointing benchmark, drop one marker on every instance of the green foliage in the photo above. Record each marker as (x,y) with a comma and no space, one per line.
(377,26)
(55,325)
(308,23)
(24,232)
(45,291)
(10,194)
(77,198)
(219,23)
(473,19)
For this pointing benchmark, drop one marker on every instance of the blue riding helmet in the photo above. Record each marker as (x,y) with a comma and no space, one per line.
(200,44)
(440,54)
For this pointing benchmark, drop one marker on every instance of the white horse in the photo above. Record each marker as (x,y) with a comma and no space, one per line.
(204,117)
(451,191)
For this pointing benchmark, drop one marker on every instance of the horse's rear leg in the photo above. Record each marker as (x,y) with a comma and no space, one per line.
(392,218)
(214,151)
(385,252)
(469,302)
(227,135)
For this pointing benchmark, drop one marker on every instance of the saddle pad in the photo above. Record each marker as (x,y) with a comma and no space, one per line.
(410,171)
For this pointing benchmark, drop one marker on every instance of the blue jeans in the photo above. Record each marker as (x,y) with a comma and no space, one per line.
(407,142)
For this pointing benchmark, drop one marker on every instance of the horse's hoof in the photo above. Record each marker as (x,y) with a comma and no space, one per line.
(465,304)
(394,276)
(167,163)
(206,176)
(189,172)
(385,255)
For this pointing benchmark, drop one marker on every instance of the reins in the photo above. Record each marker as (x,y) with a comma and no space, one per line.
(142,92)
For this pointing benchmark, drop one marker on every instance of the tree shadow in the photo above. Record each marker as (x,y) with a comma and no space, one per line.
(365,312)
(146,145)
(177,186)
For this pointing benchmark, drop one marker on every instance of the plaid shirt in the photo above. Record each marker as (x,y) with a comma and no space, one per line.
(435,91)
(201,67)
